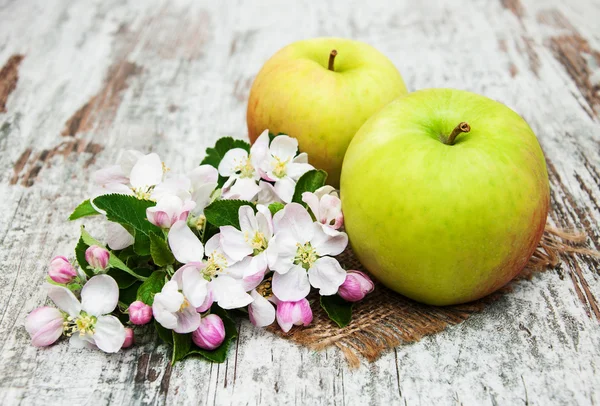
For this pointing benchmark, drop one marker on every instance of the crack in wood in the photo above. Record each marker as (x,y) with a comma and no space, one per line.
(36,162)
(9,76)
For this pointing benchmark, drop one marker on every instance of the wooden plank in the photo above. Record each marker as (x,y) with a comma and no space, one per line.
(98,77)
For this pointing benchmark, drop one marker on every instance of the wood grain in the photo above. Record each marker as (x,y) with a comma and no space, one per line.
(102,76)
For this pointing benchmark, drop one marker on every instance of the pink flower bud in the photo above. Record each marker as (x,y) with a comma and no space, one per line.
(44,325)
(140,313)
(211,333)
(356,286)
(293,313)
(97,257)
(128,338)
(61,270)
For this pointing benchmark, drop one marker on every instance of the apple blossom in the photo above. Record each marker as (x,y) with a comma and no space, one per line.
(282,166)
(169,210)
(256,230)
(356,286)
(45,325)
(242,169)
(267,194)
(184,244)
(327,209)
(293,313)
(173,311)
(299,255)
(136,174)
(140,313)
(88,323)
(210,334)
(97,257)
(61,270)
(129,338)
(204,181)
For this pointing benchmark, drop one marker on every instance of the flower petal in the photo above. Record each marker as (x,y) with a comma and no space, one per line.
(293,313)
(264,218)
(247,219)
(267,194)
(238,269)
(292,286)
(178,185)
(195,287)
(48,334)
(295,219)
(110,174)
(117,236)
(185,245)
(232,159)
(327,275)
(243,189)
(282,251)
(325,190)
(328,241)
(284,188)
(188,320)
(284,147)
(129,159)
(202,195)
(77,341)
(41,316)
(100,295)
(109,334)
(64,299)
(203,174)
(301,158)
(295,170)
(312,201)
(147,171)
(229,293)
(260,149)
(234,244)
(261,311)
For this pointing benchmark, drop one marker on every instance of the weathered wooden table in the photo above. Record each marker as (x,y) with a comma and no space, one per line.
(83,80)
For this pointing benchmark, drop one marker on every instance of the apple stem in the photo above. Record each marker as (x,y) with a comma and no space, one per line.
(462,127)
(332,56)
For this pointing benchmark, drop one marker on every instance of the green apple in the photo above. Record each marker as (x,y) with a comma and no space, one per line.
(445,195)
(321,91)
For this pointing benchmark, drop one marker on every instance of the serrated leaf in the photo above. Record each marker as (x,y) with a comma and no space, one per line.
(182,343)
(159,249)
(338,310)
(309,182)
(220,354)
(151,286)
(215,154)
(113,261)
(130,212)
(225,212)
(275,207)
(83,210)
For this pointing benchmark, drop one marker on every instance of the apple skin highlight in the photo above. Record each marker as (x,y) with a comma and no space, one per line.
(445,224)
(296,94)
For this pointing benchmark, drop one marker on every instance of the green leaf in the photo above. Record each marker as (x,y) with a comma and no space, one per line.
(182,343)
(220,354)
(83,210)
(80,249)
(225,212)
(338,310)
(113,261)
(159,249)
(124,280)
(309,182)
(209,231)
(130,212)
(215,155)
(275,207)
(129,294)
(151,286)
(163,333)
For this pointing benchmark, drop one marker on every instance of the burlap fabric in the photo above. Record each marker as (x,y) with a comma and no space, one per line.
(385,319)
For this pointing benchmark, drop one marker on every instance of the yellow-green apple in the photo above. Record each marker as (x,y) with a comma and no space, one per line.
(445,195)
(321,91)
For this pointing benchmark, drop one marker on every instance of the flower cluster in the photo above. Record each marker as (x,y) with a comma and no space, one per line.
(251,228)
